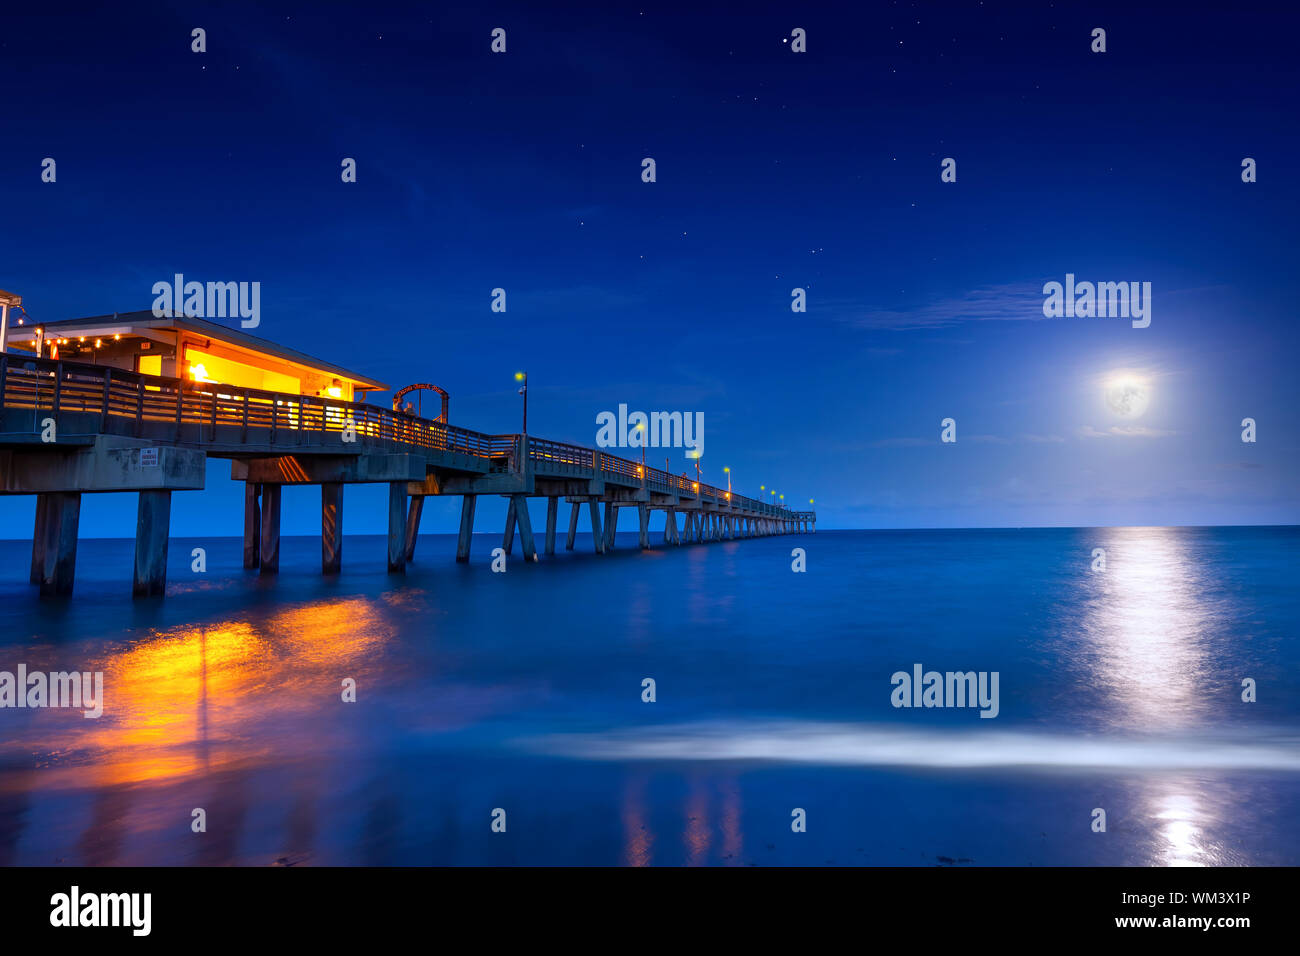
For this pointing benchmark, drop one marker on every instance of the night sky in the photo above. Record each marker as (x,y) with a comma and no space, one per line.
(775,170)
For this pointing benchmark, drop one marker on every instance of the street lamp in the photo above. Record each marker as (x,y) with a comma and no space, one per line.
(699,477)
(523,390)
(728,471)
(7,301)
(640,427)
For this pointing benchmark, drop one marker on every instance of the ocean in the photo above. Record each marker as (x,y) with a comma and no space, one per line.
(501,718)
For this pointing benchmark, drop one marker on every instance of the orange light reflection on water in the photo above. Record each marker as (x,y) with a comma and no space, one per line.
(194,699)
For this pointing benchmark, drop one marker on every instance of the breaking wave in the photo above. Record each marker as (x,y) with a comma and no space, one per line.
(840,744)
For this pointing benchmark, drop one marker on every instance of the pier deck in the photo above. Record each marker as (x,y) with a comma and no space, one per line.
(68,428)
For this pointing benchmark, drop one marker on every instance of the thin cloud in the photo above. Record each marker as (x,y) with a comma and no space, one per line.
(1011,302)
(970,439)
(1139,431)
(1125,431)
(900,443)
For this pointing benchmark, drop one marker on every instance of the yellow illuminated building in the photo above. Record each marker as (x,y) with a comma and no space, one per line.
(193,349)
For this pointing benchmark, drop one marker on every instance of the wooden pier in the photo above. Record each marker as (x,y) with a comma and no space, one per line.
(68,429)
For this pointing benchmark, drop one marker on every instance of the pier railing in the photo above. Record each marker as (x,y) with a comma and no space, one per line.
(142,405)
(655,479)
(117,401)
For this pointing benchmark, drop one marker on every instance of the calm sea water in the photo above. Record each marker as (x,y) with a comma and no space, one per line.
(522,691)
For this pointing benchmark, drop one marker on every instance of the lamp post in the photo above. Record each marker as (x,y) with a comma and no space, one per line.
(728,471)
(641,428)
(7,300)
(523,390)
(696,456)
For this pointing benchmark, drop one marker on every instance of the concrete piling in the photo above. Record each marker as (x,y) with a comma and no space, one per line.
(413,514)
(508,537)
(397,527)
(519,505)
(153,522)
(467,504)
(331,527)
(252,523)
(573,526)
(269,545)
(38,539)
(56,537)
(598,540)
(552,512)
(611,525)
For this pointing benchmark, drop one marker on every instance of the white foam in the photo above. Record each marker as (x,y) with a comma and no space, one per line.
(840,744)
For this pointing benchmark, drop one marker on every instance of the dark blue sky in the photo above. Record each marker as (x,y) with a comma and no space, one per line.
(775,170)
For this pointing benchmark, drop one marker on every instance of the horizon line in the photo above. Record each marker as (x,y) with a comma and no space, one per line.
(423,534)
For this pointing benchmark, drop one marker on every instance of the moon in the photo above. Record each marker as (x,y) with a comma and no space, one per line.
(1127,397)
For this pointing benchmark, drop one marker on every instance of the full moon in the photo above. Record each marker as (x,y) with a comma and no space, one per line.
(1127,397)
